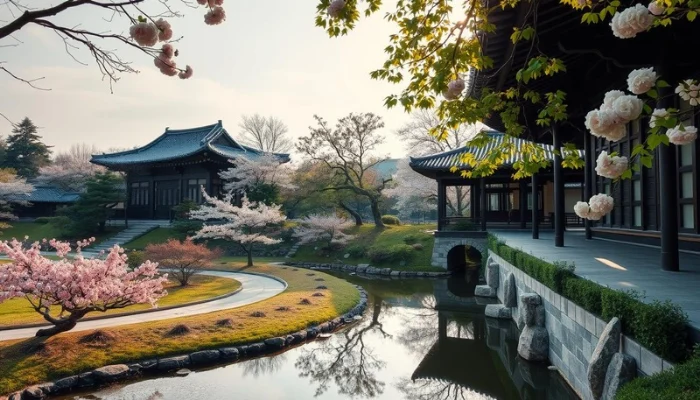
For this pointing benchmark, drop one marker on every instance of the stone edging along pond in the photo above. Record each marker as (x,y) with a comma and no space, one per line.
(367,269)
(119,372)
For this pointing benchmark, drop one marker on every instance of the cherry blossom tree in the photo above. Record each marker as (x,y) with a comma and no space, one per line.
(184,259)
(63,291)
(13,191)
(263,177)
(248,225)
(327,229)
(143,25)
(71,169)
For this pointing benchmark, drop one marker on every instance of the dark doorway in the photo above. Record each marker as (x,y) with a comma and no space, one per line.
(462,258)
(167,195)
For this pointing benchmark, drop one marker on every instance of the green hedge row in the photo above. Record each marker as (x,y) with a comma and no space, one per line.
(680,383)
(659,326)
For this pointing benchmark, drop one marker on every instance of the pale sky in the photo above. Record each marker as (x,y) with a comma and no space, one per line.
(267,57)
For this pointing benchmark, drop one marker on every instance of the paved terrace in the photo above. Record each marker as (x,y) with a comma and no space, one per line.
(619,266)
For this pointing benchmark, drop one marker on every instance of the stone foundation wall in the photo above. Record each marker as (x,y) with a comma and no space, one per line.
(443,245)
(573,332)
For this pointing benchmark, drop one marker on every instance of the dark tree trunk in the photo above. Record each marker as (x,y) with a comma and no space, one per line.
(376,214)
(353,213)
(61,326)
(250,258)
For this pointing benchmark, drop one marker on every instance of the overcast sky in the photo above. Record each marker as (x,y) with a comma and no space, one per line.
(267,57)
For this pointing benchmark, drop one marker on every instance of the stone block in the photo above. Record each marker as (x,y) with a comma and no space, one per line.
(580,316)
(666,366)
(571,309)
(632,348)
(229,353)
(539,315)
(492,275)
(622,369)
(498,311)
(484,291)
(275,343)
(204,357)
(529,303)
(111,373)
(651,363)
(533,344)
(590,323)
(607,346)
(510,291)
(170,363)
(599,326)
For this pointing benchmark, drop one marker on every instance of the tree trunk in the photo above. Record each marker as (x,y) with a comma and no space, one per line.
(250,258)
(376,213)
(101,226)
(62,325)
(353,213)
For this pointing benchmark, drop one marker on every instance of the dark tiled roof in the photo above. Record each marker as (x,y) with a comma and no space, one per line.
(50,194)
(444,161)
(180,143)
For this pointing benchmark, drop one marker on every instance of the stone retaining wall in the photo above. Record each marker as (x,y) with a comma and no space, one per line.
(573,332)
(446,241)
(367,270)
(119,372)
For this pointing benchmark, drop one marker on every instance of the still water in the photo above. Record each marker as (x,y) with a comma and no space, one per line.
(418,340)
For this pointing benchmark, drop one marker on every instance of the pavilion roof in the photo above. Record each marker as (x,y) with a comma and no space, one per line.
(176,144)
(49,194)
(443,162)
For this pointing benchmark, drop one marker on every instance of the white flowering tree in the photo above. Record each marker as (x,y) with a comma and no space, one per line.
(263,177)
(247,225)
(327,229)
(71,169)
(143,25)
(13,191)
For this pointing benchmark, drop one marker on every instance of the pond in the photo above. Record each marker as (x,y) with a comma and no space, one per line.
(418,340)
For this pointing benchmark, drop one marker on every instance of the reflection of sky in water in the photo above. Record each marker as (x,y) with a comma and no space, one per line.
(374,359)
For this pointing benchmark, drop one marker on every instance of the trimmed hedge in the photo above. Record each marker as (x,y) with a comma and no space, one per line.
(659,326)
(391,220)
(680,383)
(356,250)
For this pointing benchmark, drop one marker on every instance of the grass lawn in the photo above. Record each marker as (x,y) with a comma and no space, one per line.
(18,311)
(158,235)
(35,231)
(29,361)
(368,236)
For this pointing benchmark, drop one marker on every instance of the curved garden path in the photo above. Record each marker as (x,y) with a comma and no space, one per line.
(254,288)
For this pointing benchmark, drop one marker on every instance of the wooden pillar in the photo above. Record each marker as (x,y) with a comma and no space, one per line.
(668,191)
(588,180)
(441,204)
(559,219)
(477,203)
(472,203)
(482,189)
(535,208)
(523,203)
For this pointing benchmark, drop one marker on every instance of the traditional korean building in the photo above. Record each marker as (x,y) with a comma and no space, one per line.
(44,201)
(174,167)
(659,205)
(499,200)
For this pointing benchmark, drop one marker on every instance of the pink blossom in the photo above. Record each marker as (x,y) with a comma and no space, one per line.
(656,8)
(682,135)
(266,169)
(76,284)
(628,108)
(170,71)
(165,32)
(144,33)
(641,80)
(605,124)
(215,16)
(202,2)
(327,228)
(601,204)
(610,166)
(454,89)
(163,61)
(335,8)
(631,21)
(582,209)
(167,50)
(186,74)
(213,3)
(689,90)
(610,98)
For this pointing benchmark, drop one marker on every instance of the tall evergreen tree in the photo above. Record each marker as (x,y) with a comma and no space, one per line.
(25,151)
(90,213)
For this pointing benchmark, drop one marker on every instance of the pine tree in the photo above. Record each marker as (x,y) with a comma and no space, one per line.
(90,213)
(25,152)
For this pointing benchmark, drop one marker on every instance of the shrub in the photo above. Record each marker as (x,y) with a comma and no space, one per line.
(357,250)
(680,383)
(397,252)
(59,223)
(414,238)
(186,227)
(417,246)
(136,258)
(585,293)
(462,225)
(391,220)
(623,305)
(43,220)
(662,327)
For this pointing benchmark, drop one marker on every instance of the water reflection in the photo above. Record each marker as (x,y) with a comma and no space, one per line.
(419,340)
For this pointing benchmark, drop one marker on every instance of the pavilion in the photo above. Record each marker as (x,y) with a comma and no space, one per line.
(174,167)
(659,205)
(499,200)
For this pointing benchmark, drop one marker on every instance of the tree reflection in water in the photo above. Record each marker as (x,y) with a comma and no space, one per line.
(346,360)
(264,365)
(437,390)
